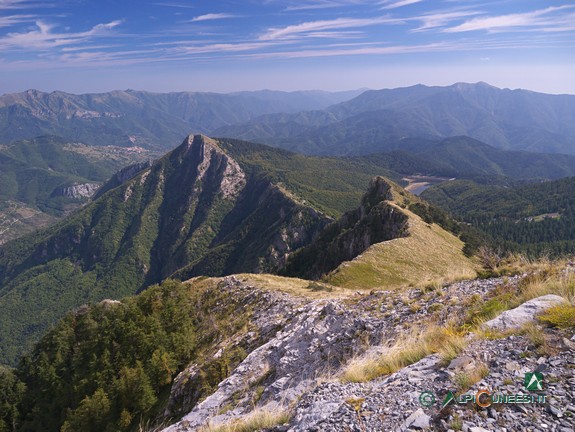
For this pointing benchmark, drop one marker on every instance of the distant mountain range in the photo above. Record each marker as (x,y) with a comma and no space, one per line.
(153,120)
(381,120)
(310,122)
(468,158)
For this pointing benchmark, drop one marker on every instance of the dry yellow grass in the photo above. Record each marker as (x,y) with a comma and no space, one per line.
(446,341)
(549,282)
(294,286)
(257,420)
(429,255)
(464,380)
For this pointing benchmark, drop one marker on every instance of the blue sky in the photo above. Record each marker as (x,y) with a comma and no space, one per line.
(171,45)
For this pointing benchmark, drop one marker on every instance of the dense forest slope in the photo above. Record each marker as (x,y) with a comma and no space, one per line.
(536,218)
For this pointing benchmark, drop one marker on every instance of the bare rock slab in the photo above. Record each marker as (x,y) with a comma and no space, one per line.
(525,313)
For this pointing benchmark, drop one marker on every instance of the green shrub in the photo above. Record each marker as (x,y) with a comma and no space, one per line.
(562,316)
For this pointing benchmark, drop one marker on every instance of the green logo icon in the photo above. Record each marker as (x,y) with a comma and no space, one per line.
(533,381)
(449,397)
(427,399)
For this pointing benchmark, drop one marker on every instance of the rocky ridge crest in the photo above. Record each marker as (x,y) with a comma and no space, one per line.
(299,368)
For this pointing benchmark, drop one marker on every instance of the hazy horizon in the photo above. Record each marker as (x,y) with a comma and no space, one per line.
(350,90)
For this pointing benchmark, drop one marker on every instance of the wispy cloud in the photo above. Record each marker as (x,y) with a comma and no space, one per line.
(338,50)
(222,48)
(324,4)
(306,28)
(8,21)
(212,16)
(43,37)
(175,5)
(365,50)
(441,19)
(24,4)
(391,4)
(536,18)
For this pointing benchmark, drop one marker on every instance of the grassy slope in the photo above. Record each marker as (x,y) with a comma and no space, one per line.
(428,255)
(294,286)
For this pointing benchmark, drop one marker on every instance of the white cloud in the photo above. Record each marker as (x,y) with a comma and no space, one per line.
(212,16)
(502,22)
(43,37)
(174,5)
(395,4)
(440,19)
(222,47)
(299,30)
(24,4)
(325,4)
(365,50)
(12,4)
(10,20)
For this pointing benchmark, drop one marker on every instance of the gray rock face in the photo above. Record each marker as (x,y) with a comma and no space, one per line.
(307,344)
(525,313)
(317,337)
(77,191)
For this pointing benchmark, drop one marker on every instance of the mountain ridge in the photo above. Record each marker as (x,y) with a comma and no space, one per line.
(508,119)
(148,119)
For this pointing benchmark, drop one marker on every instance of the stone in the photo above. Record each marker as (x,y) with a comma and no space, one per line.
(524,313)
(417,420)
(460,362)
(553,410)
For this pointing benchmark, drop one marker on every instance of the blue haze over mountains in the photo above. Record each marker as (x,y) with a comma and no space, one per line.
(321,123)
(382,120)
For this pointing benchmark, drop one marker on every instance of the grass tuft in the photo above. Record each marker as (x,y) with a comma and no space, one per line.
(446,341)
(562,316)
(259,419)
(464,380)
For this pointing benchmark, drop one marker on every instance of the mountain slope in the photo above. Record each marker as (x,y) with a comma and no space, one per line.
(378,120)
(173,214)
(46,177)
(373,222)
(179,357)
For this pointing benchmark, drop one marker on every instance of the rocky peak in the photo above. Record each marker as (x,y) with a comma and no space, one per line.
(379,190)
(208,157)
(376,220)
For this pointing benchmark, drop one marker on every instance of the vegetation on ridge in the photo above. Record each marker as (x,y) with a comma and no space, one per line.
(107,367)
